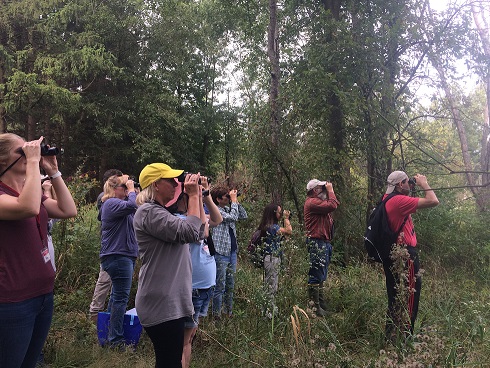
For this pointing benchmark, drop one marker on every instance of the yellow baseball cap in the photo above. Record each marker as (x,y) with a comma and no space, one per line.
(155,171)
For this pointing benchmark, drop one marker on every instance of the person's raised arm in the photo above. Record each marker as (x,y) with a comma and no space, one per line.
(64,205)
(202,213)
(287,229)
(323,206)
(430,199)
(215,217)
(28,202)
(46,185)
(193,190)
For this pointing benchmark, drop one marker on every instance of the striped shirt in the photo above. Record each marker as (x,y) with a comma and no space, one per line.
(221,233)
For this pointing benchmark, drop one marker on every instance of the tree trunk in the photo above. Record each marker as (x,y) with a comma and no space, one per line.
(482,25)
(335,123)
(333,6)
(335,117)
(31,128)
(458,121)
(275,109)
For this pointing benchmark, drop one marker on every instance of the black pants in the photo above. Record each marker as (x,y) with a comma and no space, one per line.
(168,343)
(408,305)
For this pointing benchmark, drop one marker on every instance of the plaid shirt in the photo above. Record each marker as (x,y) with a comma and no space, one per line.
(221,234)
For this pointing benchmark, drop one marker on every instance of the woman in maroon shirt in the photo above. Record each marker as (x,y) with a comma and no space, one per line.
(26,273)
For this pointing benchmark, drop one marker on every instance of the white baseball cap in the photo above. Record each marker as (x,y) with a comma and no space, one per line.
(393,179)
(314,183)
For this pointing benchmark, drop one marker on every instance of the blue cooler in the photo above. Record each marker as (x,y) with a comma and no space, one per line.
(132,327)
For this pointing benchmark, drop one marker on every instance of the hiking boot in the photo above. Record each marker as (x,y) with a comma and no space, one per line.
(321,299)
(313,295)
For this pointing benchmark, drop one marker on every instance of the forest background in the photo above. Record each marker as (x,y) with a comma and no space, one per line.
(262,96)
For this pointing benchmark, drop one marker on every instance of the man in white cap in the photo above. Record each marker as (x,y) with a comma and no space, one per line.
(320,203)
(399,209)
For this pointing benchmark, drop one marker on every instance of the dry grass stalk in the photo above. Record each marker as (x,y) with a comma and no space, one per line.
(295,322)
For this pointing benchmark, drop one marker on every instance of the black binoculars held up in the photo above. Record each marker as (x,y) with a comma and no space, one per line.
(412,181)
(182,176)
(135,183)
(45,150)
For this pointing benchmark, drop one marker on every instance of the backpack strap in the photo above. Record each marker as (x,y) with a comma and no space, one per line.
(391,195)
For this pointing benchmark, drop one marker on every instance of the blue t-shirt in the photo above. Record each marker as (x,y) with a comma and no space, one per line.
(203,264)
(273,241)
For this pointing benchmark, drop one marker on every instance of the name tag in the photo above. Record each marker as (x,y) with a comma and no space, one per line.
(45,254)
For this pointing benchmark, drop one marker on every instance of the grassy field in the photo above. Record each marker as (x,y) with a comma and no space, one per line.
(451,328)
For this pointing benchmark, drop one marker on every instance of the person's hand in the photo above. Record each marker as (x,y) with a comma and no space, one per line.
(233,195)
(32,149)
(204,183)
(286,214)
(421,180)
(46,185)
(191,184)
(329,186)
(130,185)
(48,163)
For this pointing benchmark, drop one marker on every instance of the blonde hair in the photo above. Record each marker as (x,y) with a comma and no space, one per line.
(146,195)
(6,142)
(110,187)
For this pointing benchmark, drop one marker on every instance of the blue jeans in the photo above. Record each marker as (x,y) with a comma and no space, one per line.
(24,327)
(120,269)
(201,299)
(225,283)
(320,252)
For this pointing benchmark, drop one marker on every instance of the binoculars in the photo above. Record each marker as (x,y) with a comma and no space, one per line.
(45,150)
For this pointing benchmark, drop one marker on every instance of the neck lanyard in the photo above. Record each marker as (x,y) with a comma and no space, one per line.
(11,165)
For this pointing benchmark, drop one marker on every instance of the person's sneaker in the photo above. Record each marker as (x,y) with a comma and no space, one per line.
(121,347)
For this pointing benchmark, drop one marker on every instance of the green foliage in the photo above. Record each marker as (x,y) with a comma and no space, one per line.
(77,243)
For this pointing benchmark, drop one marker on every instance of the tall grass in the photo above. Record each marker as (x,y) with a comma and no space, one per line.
(451,329)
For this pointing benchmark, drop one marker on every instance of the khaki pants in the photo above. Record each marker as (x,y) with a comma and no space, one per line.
(102,289)
(272,266)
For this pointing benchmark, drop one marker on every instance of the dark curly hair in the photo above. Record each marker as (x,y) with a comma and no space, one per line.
(218,192)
